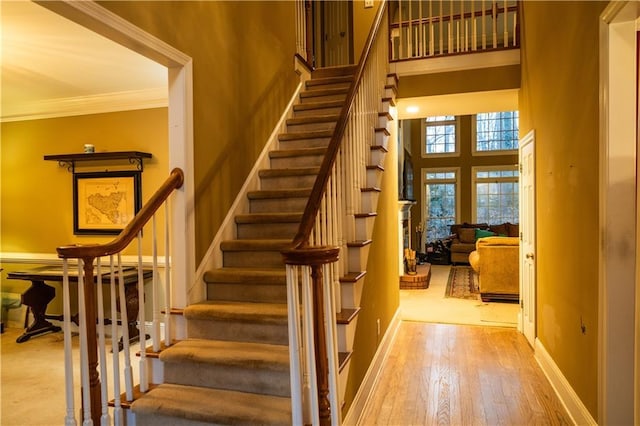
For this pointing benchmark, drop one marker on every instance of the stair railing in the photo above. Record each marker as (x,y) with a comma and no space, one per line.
(91,313)
(428,28)
(314,263)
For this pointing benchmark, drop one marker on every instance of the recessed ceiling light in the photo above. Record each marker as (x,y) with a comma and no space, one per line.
(412,109)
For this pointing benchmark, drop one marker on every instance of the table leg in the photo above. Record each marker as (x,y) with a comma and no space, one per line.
(37,297)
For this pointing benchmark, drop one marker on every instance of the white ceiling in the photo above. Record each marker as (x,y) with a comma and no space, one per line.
(54,67)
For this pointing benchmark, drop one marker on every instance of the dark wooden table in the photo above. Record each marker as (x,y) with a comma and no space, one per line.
(38,296)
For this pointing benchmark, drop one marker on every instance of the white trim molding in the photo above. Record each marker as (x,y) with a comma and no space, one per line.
(619,244)
(568,397)
(370,381)
(54,260)
(456,62)
(84,105)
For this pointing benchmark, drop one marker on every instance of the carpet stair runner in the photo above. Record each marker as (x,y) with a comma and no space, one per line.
(234,366)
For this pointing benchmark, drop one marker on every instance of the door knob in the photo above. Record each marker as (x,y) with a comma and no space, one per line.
(529,255)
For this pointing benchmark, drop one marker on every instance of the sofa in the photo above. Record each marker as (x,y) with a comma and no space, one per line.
(497,262)
(464,236)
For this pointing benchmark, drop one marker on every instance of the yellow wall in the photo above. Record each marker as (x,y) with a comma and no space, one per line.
(36,197)
(362,21)
(559,100)
(381,290)
(478,80)
(465,161)
(242,80)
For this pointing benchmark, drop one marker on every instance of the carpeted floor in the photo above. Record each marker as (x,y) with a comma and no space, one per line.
(431,305)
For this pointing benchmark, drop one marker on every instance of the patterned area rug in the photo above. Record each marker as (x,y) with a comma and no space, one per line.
(462,283)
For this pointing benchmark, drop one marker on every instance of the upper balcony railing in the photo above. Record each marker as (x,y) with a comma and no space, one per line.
(429,28)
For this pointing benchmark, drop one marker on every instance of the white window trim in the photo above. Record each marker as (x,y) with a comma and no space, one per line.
(423,184)
(474,141)
(474,181)
(423,139)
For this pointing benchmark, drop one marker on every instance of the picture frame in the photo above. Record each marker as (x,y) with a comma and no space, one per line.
(105,202)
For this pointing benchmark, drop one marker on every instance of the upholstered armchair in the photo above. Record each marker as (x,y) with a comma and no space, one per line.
(497,262)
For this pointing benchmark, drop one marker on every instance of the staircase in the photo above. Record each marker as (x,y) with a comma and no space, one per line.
(234,366)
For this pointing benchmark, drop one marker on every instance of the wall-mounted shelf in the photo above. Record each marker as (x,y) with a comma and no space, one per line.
(69,160)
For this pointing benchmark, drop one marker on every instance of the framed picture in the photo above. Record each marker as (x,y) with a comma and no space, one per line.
(105,202)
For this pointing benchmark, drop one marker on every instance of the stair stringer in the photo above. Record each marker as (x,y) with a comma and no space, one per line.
(228,229)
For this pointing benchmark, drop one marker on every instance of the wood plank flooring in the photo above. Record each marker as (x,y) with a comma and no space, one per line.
(442,374)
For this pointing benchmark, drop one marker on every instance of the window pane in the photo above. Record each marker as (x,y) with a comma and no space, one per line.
(440,135)
(441,209)
(497,131)
(496,195)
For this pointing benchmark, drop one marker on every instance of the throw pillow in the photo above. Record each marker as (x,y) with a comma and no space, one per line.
(467,235)
(499,229)
(481,233)
(513,229)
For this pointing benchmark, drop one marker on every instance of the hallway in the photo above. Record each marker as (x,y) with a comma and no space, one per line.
(462,375)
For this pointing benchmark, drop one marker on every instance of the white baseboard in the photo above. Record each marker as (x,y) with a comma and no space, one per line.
(370,380)
(568,397)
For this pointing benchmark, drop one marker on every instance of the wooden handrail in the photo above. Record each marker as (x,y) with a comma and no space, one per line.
(174,181)
(301,239)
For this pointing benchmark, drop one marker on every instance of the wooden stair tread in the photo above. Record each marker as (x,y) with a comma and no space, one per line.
(361,215)
(151,353)
(391,101)
(299,152)
(386,114)
(279,193)
(255,245)
(268,218)
(295,171)
(343,357)
(310,134)
(325,118)
(378,148)
(318,92)
(359,243)
(334,71)
(137,394)
(382,130)
(241,275)
(352,277)
(375,167)
(372,189)
(347,315)
(318,105)
(329,80)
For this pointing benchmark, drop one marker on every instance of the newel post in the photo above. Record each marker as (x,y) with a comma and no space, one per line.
(92,345)
(316,258)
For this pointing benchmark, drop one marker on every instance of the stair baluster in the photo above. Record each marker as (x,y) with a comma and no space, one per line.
(331,223)
(94,398)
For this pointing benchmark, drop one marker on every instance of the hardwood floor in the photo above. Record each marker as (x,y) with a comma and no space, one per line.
(441,374)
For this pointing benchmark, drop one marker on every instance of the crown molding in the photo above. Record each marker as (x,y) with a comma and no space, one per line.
(84,105)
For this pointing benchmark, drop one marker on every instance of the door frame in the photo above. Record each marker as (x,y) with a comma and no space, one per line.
(96,18)
(528,139)
(619,305)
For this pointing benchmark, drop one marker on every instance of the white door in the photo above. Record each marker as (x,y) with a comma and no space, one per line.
(527,317)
